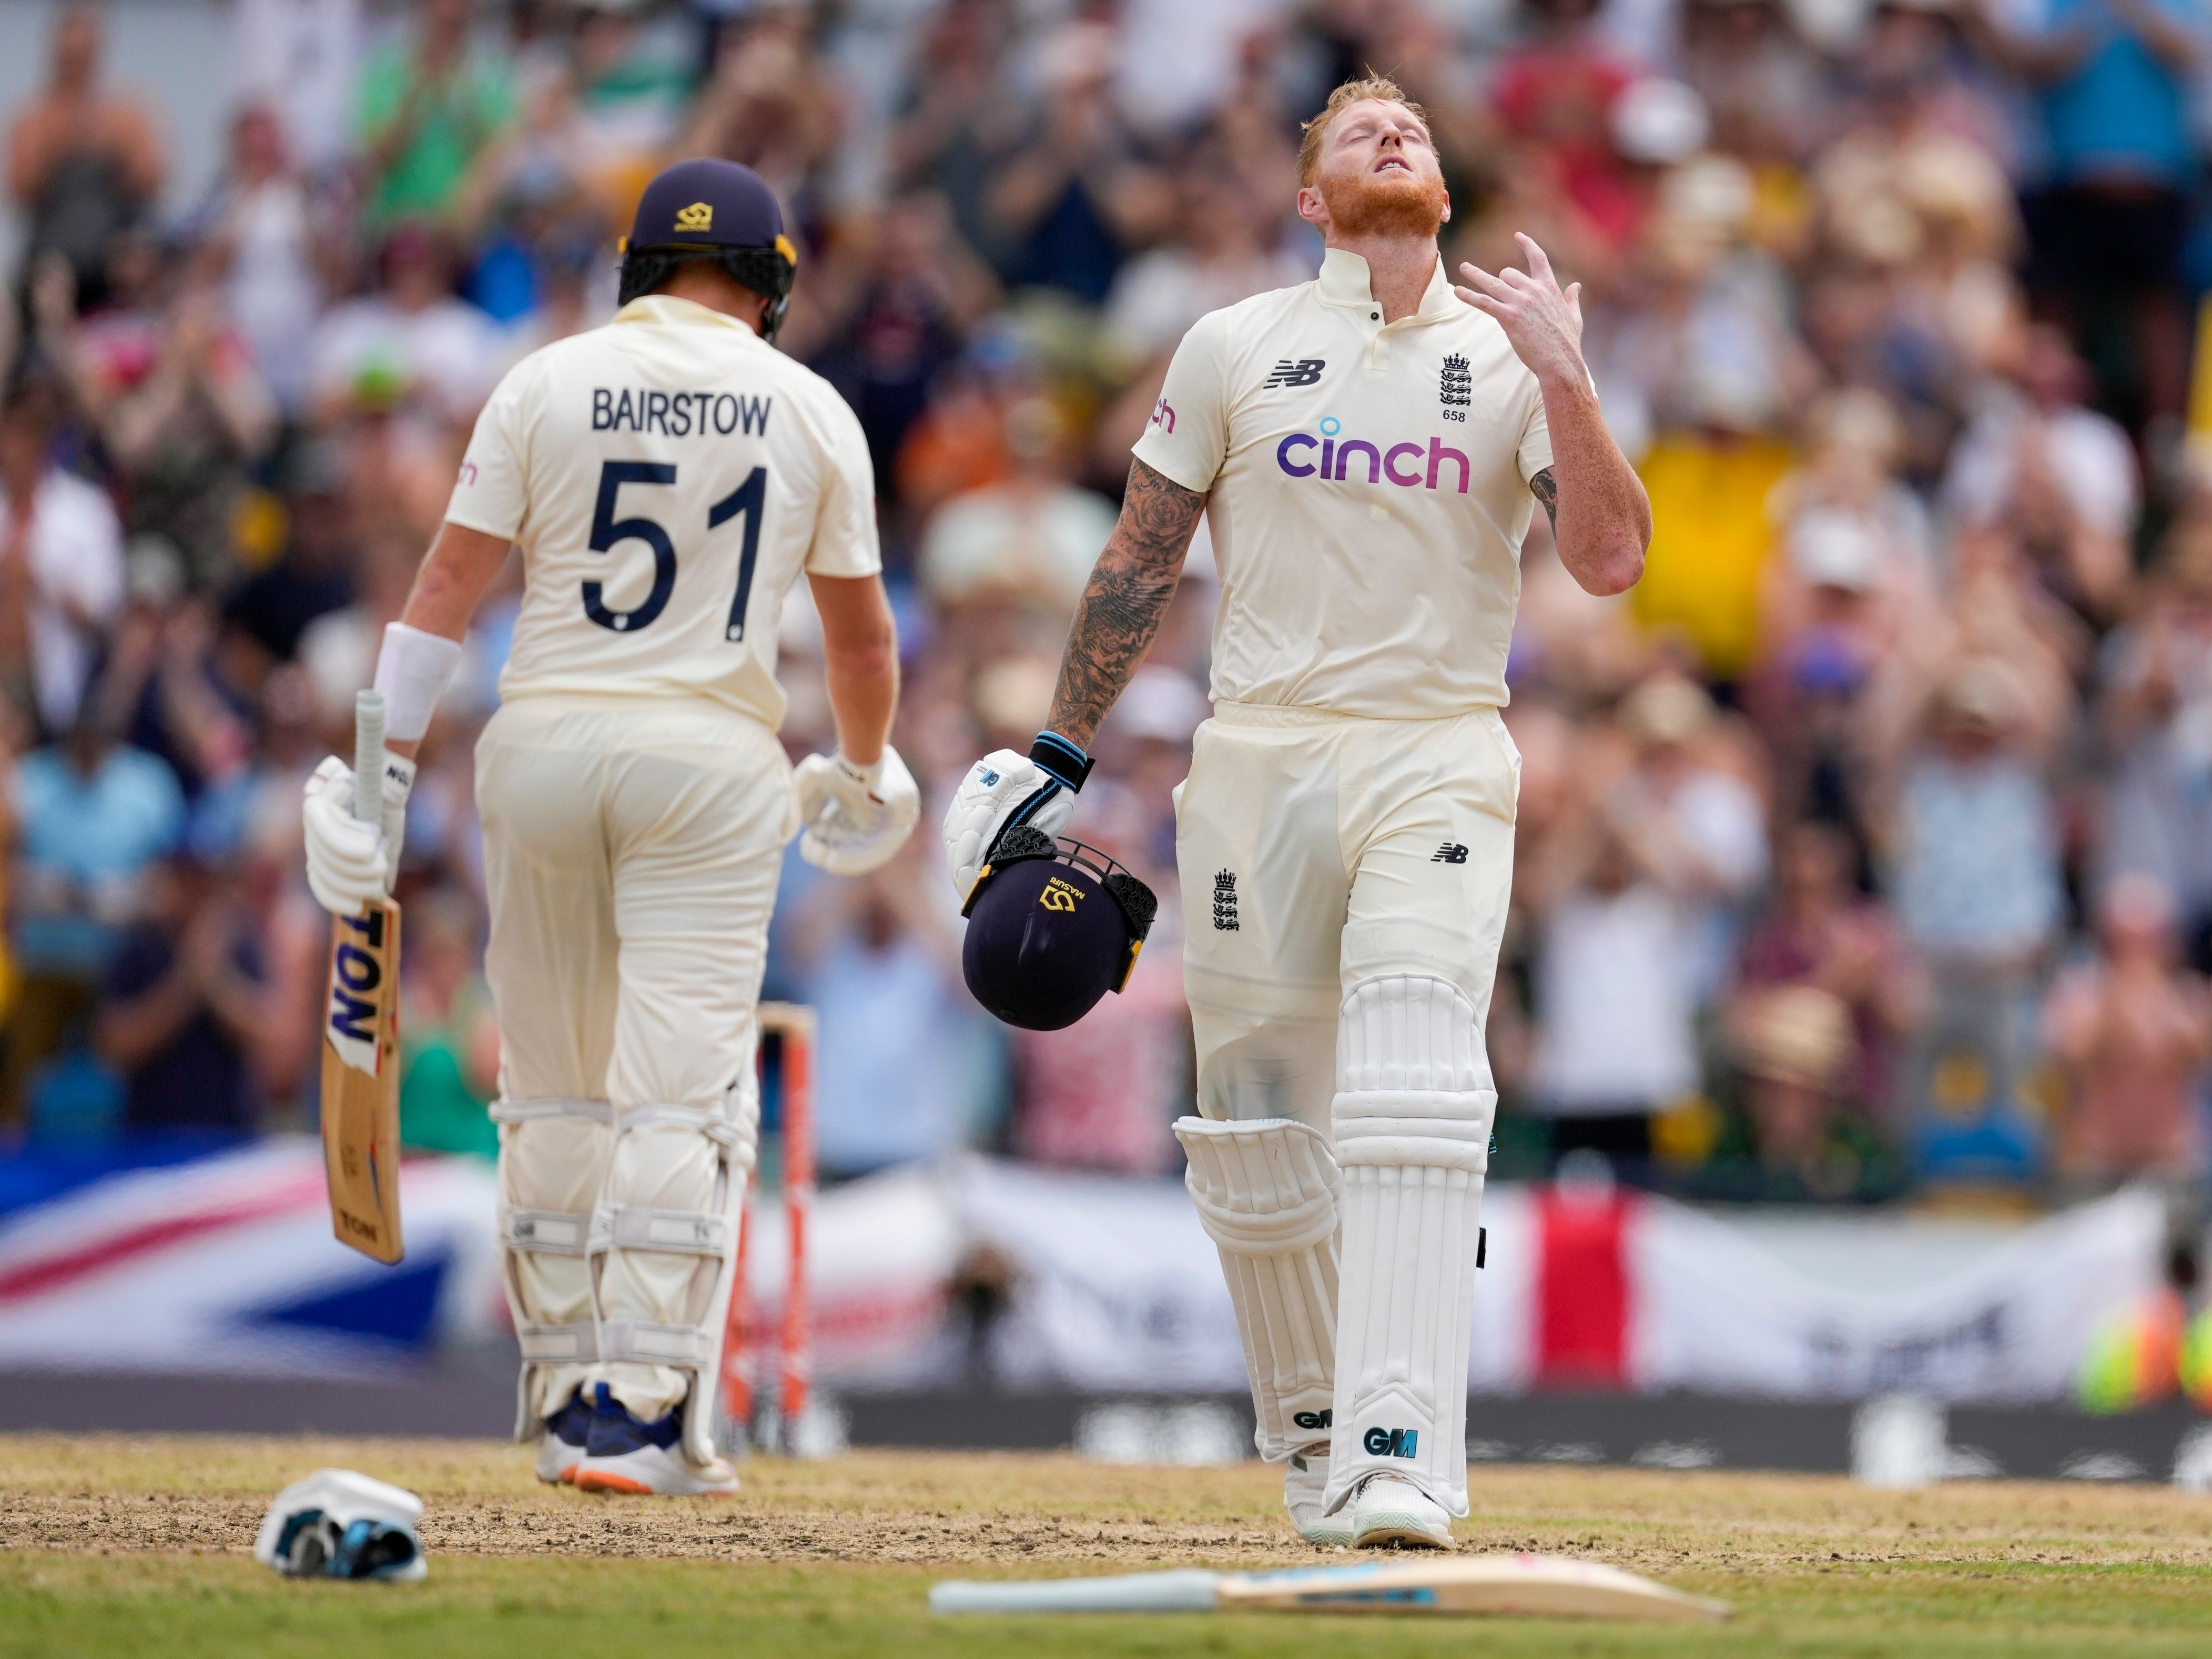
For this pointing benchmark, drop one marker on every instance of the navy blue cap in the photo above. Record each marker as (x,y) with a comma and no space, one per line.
(708,202)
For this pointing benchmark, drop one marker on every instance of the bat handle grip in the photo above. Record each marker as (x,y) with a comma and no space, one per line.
(369,757)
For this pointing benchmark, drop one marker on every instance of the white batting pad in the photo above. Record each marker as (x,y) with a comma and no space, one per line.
(663,1245)
(552,1163)
(1267,1194)
(1413,1115)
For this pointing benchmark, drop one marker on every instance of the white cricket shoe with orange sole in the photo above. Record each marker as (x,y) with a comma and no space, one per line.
(561,1447)
(621,1454)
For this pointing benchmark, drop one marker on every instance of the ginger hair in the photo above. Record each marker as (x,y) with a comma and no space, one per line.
(1381,87)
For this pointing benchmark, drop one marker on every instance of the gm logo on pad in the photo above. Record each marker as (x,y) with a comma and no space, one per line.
(700,215)
(1390,1443)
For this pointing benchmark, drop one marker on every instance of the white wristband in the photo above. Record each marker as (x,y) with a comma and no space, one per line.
(413,671)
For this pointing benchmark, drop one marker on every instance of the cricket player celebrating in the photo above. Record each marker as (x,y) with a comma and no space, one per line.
(1369,447)
(667,478)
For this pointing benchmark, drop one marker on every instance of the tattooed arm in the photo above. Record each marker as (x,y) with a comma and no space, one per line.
(1128,592)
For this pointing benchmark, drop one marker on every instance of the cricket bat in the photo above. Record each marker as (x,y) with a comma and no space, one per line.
(1541,1586)
(360,1033)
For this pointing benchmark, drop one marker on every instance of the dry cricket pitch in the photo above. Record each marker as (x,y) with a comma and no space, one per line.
(114,1546)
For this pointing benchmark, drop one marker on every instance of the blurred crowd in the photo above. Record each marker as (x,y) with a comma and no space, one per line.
(1865,848)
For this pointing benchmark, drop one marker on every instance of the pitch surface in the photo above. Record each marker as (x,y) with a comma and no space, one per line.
(111,1545)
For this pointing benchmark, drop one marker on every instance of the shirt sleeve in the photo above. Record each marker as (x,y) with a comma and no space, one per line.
(1535,438)
(492,492)
(1189,433)
(845,522)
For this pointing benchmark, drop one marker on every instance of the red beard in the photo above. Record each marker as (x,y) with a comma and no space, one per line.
(1386,204)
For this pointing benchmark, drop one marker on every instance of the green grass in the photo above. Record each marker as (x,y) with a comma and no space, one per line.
(55,1605)
(137,1548)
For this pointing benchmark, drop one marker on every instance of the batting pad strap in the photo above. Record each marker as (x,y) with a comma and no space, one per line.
(547,1232)
(413,670)
(576,1344)
(535,1111)
(680,1232)
(679,1346)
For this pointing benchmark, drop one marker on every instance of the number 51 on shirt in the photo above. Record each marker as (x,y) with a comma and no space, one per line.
(607,529)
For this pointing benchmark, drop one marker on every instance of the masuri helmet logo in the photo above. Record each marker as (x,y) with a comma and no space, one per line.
(700,215)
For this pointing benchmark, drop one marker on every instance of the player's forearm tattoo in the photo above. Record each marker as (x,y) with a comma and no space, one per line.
(1545,488)
(1128,592)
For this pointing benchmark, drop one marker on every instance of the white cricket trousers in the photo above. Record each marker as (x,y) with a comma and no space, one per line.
(1344,886)
(631,854)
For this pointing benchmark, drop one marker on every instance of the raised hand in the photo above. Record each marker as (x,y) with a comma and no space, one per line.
(1542,321)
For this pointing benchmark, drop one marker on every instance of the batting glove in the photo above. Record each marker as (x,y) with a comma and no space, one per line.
(350,864)
(856,816)
(1004,789)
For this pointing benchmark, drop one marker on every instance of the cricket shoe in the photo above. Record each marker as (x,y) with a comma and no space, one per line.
(623,1454)
(1303,1486)
(561,1447)
(1388,1509)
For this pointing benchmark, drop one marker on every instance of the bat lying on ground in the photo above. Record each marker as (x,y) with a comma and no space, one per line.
(360,1032)
(1547,1586)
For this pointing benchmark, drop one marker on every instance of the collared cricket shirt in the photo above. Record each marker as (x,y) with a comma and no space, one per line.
(667,477)
(1369,492)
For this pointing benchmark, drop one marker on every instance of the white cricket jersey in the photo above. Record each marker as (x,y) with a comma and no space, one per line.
(667,477)
(1369,492)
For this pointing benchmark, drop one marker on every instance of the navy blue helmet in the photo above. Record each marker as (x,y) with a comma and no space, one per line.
(709,209)
(1052,927)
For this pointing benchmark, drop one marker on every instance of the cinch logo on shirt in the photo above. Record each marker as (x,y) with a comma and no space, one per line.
(1294,455)
(678,413)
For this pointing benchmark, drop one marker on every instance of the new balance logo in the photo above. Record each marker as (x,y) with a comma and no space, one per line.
(1224,902)
(1450,852)
(1306,371)
(1390,1443)
(1322,1419)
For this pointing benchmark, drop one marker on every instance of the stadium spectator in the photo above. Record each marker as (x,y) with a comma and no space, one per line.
(1008,562)
(426,109)
(909,1067)
(183,1007)
(1820,932)
(266,239)
(2057,476)
(84,163)
(1074,192)
(2133,1031)
(171,391)
(91,818)
(449,1046)
(2156,721)
(1615,1042)
(61,575)
(1973,855)
(413,346)
(2114,80)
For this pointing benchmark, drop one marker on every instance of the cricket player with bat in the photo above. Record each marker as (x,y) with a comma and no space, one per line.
(667,478)
(1369,447)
